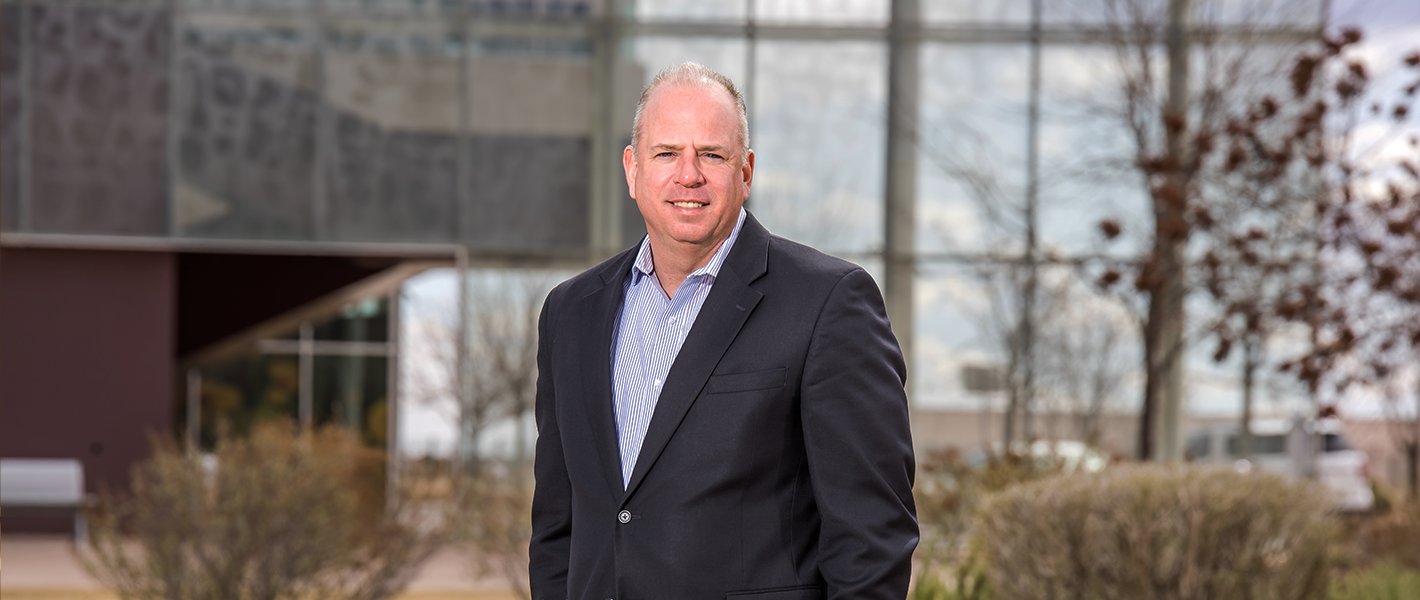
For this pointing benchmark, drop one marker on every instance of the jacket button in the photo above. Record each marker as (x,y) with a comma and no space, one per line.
(624,516)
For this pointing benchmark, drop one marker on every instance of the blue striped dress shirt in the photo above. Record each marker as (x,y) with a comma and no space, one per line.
(650,331)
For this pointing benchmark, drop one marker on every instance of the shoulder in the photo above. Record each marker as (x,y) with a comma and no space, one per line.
(590,281)
(792,259)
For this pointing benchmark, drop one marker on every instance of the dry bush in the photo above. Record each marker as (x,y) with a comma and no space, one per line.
(949,490)
(1159,532)
(495,515)
(277,515)
(1391,535)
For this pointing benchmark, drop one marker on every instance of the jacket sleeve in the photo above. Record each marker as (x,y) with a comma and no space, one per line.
(549,550)
(859,445)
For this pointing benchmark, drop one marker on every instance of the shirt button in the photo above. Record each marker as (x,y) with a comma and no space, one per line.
(658,383)
(624,516)
(671,320)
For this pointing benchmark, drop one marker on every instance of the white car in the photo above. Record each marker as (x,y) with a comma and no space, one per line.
(1294,448)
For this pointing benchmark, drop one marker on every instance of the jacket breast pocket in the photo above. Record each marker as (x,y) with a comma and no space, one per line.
(730,383)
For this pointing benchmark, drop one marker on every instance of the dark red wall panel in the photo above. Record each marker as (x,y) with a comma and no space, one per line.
(86,357)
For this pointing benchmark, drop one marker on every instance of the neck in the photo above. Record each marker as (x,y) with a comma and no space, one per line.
(674,262)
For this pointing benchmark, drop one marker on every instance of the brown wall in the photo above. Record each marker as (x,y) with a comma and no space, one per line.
(86,357)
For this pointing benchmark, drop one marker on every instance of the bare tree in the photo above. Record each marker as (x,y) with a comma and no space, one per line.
(1060,344)
(1363,305)
(1183,74)
(501,372)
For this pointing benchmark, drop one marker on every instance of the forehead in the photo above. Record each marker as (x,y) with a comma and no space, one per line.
(704,110)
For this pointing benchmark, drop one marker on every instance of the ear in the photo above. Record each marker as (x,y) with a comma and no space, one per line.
(747,171)
(628,163)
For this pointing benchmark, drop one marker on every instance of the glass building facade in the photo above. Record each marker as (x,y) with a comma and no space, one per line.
(939,143)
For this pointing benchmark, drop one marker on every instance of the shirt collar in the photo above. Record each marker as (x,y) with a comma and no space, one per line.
(644,266)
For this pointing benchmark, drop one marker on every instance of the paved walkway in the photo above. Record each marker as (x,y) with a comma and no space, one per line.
(32,562)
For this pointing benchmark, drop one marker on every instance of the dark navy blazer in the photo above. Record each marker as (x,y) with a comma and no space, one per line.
(778,462)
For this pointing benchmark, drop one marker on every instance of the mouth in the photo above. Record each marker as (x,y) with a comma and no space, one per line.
(688,203)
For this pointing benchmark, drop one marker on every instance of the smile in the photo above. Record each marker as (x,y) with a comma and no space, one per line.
(689,203)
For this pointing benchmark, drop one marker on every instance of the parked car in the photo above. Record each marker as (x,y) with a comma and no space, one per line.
(1068,455)
(1295,448)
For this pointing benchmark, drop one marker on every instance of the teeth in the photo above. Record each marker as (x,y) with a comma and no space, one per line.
(689,204)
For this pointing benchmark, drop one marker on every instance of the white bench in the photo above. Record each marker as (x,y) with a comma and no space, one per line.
(46,485)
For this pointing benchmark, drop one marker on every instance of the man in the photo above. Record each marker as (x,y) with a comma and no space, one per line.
(720,412)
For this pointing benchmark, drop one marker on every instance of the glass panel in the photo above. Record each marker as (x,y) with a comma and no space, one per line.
(688,10)
(99,119)
(240,392)
(950,12)
(869,12)
(352,391)
(1262,13)
(952,338)
(653,53)
(363,321)
(968,318)
(818,121)
(971,169)
(246,112)
(565,9)
(10,125)
(1086,156)
(1259,13)
(249,6)
(393,91)
(529,168)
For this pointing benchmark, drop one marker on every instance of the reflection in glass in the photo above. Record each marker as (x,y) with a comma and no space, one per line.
(819,120)
(689,10)
(726,55)
(10,125)
(961,12)
(393,93)
(971,176)
(363,321)
(246,117)
(1086,155)
(350,391)
(528,163)
(241,392)
(98,119)
(1086,354)
(864,12)
(1206,13)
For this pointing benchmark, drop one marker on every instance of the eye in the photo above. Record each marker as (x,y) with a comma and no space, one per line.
(713,156)
(666,154)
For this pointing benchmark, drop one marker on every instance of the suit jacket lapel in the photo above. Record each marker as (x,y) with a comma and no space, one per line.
(602,307)
(726,309)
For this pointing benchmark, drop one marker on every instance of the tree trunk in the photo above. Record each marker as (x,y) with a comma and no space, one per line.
(1245,423)
(1165,274)
(1412,470)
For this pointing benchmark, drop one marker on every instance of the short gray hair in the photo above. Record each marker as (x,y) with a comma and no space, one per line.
(689,73)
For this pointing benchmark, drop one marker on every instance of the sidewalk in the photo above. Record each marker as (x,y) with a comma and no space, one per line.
(44,568)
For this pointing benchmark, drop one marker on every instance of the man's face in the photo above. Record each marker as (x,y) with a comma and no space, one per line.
(689,174)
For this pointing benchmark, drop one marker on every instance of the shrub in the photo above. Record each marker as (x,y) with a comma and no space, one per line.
(277,515)
(495,515)
(1391,536)
(949,489)
(1385,581)
(1160,532)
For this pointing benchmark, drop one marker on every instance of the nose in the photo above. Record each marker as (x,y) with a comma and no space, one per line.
(688,171)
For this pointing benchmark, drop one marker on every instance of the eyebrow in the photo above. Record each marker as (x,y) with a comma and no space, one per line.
(655,148)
